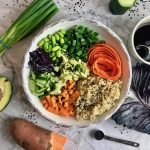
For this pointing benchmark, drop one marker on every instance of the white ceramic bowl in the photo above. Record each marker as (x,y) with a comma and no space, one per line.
(104,33)
(144,21)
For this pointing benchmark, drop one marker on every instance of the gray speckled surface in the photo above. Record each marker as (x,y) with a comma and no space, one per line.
(11,63)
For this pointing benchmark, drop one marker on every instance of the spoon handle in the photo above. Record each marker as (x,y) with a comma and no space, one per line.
(134,144)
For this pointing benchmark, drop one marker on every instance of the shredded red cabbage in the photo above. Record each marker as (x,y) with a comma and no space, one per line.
(40,62)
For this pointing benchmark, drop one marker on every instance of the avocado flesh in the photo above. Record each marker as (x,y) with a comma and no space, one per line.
(5,92)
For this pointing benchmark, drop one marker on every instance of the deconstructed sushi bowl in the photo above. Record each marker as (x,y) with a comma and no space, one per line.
(76,73)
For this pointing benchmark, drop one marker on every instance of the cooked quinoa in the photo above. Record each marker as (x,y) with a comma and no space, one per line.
(97,95)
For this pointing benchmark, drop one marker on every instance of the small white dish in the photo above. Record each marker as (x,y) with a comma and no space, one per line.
(104,33)
(144,21)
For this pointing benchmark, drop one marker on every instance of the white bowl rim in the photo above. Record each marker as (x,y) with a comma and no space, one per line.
(132,39)
(129,64)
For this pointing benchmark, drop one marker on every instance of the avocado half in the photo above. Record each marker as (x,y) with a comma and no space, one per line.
(5,92)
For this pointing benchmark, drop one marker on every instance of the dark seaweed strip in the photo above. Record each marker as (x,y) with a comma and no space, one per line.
(141,83)
(137,117)
(143,123)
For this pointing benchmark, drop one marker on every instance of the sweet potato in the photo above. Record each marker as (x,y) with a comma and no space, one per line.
(32,137)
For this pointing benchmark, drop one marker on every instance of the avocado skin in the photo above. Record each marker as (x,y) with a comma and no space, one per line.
(10,90)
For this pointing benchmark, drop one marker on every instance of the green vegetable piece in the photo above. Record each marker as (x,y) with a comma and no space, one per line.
(80,31)
(81,28)
(77,58)
(47,85)
(60,34)
(95,40)
(46,39)
(48,89)
(32,18)
(53,58)
(86,30)
(53,40)
(57,44)
(63,31)
(56,68)
(40,90)
(57,88)
(62,41)
(71,50)
(65,46)
(57,37)
(53,54)
(79,53)
(46,44)
(91,32)
(32,85)
(78,36)
(41,81)
(83,42)
(56,48)
(119,7)
(58,53)
(50,48)
(89,41)
(50,36)
(64,50)
(40,85)
(40,44)
(39,94)
(96,34)
(74,42)
(33,76)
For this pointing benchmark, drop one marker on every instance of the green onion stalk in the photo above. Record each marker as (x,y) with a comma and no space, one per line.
(34,16)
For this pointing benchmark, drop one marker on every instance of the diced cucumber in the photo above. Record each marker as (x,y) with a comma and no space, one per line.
(41,81)
(48,89)
(39,94)
(32,85)
(47,85)
(43,75)
(40,90)
(52,80)
(56,79)
(48,76)
(126,3)
(118,7)
(52,73)
(33,76)
(40,85)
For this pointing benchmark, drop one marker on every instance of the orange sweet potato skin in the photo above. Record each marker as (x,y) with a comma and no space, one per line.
(30,136)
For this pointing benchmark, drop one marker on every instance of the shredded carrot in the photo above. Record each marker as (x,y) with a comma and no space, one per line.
(52,110)
(73,97)
(48,98)
(62,104)
(71,85)
(44,101)
(104,62)
(46,105)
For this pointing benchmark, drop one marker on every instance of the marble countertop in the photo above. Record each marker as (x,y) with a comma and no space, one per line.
(11,63)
